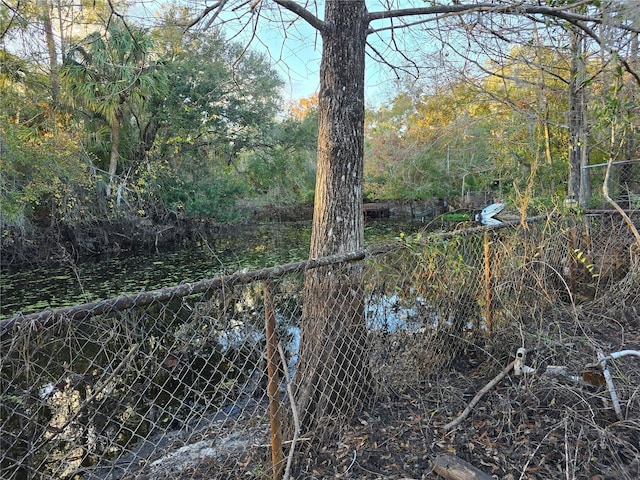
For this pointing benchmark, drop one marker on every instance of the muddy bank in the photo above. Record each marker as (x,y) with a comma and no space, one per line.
(54,243)
(371,208)
(58,243)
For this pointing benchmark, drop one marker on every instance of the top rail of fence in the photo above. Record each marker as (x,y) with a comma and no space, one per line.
(84,311)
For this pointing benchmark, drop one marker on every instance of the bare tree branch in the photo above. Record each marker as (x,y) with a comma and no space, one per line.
(566,13)
(218,6)
(518,8)
(303,13)
(412,12)
(379,57)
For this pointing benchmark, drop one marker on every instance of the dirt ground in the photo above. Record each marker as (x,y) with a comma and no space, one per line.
(533,427)
(530,427)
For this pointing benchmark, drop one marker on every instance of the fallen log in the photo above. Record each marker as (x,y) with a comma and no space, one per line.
(454,468)
(376,210)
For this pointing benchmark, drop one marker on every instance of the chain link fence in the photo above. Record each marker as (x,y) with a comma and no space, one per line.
(199,380)
(623,184)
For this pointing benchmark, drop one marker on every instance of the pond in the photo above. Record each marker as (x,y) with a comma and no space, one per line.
(245,247)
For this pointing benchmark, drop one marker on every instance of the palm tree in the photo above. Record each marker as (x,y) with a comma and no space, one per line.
(110,73)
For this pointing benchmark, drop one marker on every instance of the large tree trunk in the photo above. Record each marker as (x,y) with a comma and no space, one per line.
(333,376)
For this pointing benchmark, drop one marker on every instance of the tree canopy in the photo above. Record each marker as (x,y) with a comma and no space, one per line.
(482,103)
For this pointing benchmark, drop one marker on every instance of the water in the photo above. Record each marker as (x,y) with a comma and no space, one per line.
(242,248)
(182,368)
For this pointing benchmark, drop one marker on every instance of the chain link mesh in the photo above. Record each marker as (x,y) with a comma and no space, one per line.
(173,383)
(623,184)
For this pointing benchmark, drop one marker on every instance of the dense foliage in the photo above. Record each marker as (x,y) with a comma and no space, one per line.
(115,119)
(504,132)
(149,121)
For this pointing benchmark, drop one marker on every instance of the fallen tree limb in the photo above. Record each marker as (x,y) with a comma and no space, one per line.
(294,411)
(593,374)
(622,353)
(454,468)
(478,396)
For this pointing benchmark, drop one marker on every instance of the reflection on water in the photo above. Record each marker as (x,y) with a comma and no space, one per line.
(244,247)
(390,313)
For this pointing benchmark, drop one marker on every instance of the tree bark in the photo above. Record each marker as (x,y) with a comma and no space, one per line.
(579,187)
(116,125)
(53,56)
(333,375)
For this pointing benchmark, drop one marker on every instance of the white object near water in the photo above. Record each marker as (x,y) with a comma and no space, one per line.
(485,217)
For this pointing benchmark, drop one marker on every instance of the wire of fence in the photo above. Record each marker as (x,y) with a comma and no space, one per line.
(188,381)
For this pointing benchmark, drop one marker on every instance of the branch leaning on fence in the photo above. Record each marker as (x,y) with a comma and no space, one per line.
(82,312)
(294,412)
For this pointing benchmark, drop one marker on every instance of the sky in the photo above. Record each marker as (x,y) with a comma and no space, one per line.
(294,51)
(296,54)
(297,59)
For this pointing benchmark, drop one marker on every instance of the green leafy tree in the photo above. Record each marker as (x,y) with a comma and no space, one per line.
(284,173)
(217,113)
(426,145)
(110,74)
(504,129)
(43,176)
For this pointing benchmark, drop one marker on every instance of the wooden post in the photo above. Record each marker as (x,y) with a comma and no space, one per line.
(572,245)
(277,456)
(488,312)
